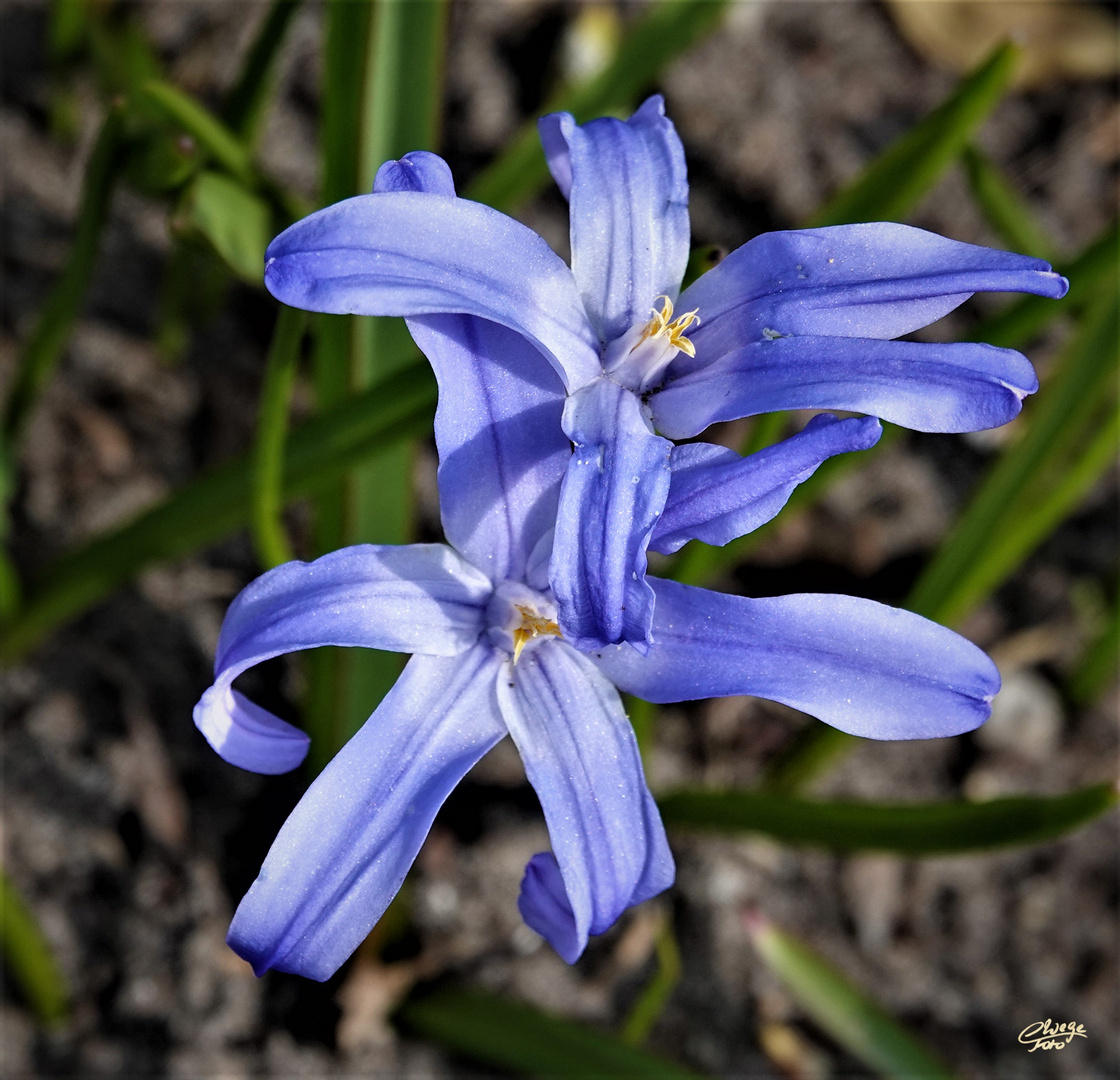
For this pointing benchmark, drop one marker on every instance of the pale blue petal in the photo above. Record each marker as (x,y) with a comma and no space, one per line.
(582,759)
(613,493)
(502,451)
(411,253)
(346,848)
(418,171)
(876,280)
(629,211)
(927,387)
(716,496)
(865,668)
(421,598)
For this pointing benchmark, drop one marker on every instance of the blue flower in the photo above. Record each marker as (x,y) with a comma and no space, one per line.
(791,320)
(491,659)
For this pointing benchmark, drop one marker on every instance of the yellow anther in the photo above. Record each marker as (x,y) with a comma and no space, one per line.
(531,626)
(661,326)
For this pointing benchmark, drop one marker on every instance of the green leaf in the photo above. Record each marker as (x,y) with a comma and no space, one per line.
(662,32)
(1058,419)
(1003,208)
(652,1000)
(513,1036)
(1047,504)
(204,127)
(246,103)
(1098,666)
(272,428)
(237,223)
(28,957)
(895,182)
(218,503)
(42,351)
(906,829)
(383,98)
(838,1007)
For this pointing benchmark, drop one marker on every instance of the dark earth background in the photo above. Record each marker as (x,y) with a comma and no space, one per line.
(133,842)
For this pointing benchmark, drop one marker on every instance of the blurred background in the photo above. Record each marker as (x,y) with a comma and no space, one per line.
(131,280)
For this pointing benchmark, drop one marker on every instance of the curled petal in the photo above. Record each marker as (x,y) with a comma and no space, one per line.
(419,171)
(502,452)
(582,759)
(346,848)
(613,492)
(628,188)
(876,280)
(407,253)
(865,668)
(927,387)
(421,598)
(716,496)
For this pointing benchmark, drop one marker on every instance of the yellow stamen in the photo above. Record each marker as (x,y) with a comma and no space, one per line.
(531,625)
(660,326)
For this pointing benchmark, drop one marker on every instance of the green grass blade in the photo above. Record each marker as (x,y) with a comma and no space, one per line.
(204,127)
(272,429)
(1098,665)
(1002,207)
(1023,320)
(1022,532)
(838,1007)
(245,104)
(237,223)
(1068,400)
(28,958)
(906,829)
(653,999)
(384,98)
(894,183)
(662,32)
(510,1035)
(41,353)
(218,503)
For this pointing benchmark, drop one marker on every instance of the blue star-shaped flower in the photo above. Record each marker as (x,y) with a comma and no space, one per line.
(491,659)
(801,319)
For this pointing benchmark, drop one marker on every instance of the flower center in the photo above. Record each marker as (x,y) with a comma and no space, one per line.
(637,359)
(517,615)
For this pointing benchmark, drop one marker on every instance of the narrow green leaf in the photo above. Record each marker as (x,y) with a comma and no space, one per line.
(28,957)
(1002,207)
(204,127)
(272,429)
(41,353)
(662,32)
(643,719)
(245,104)
(218,503)
(237,223)
(895,182)
(653,999)
(905,829)
(513,1036)
(1068,399)
(1025,529)
(848,1015)
(383,99)
(1092,270)
(68,29)
(1098,665)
